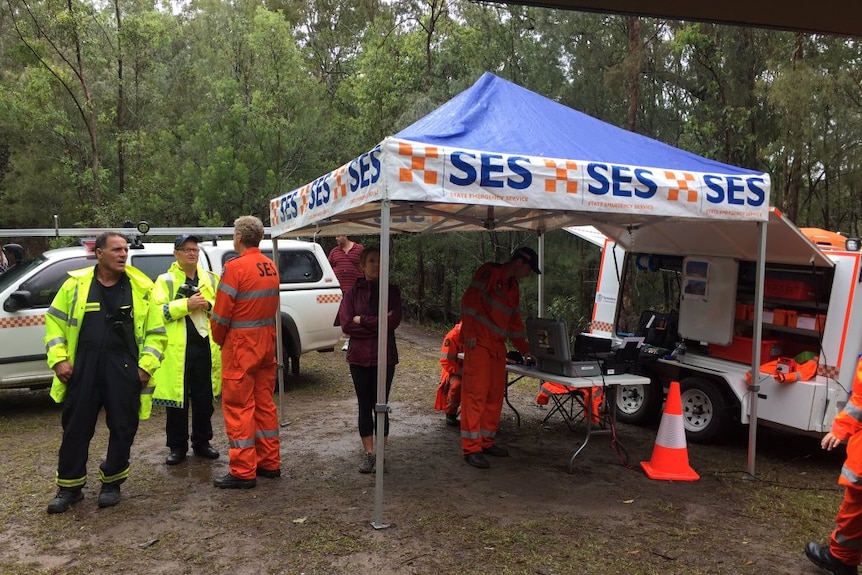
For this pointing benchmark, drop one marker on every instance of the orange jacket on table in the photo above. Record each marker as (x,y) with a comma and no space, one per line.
(846,427)
(490,310)
(448,391)
(800,371)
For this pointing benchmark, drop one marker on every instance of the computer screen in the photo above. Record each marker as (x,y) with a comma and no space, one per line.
(590,346)
(549,340)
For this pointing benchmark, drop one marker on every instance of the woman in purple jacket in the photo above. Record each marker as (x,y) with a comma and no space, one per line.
(358,318)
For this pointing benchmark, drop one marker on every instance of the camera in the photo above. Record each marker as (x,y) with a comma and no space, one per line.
(187,290)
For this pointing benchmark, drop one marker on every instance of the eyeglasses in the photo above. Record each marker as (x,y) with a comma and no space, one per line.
(190,250)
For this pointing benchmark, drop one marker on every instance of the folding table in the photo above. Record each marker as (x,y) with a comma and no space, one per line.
(575,403)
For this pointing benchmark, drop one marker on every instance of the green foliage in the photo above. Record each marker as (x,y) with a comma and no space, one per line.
(223,106)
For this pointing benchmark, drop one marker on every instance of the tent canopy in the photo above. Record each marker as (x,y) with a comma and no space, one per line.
(498,156)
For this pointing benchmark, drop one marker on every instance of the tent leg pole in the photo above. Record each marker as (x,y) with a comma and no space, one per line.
(279,349)
(756,345)
(382,406)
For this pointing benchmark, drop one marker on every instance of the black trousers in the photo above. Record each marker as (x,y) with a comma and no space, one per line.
(198,391)
(108,380)
(365,384)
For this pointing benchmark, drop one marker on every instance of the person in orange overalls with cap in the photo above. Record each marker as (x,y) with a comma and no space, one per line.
(448,398)
(844,552)
(490,315)
(243,324)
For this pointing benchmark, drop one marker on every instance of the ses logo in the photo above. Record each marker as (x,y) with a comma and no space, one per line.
(517,173)
(628,182)
(362,172)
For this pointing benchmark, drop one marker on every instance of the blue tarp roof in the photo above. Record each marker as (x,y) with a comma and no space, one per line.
(498,116)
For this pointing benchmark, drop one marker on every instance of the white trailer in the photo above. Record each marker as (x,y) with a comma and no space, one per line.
(699,278)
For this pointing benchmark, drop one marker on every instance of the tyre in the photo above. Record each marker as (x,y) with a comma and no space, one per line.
(704,412)
(638,404)
(294,365)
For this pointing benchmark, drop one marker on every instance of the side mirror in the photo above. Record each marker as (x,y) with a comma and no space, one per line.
(17,300)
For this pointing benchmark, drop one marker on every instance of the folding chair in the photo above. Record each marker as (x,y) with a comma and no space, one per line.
(571,404)
(565,400)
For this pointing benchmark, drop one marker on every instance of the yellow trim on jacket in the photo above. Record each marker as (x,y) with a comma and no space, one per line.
(168,380)
(66,314)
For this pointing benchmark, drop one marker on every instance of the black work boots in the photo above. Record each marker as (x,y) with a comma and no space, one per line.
(65,498)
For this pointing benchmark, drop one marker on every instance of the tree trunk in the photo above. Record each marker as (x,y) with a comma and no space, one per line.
(91,121)
(790,205)
(634,67)
(121,105)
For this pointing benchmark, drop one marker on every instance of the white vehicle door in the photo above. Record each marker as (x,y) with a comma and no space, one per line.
(22,331)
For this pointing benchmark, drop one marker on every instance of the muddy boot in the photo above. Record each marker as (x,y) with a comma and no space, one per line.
(64,499)
(110,495)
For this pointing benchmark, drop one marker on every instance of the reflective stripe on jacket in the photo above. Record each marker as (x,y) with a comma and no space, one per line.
(490,309)
(66,314)
(168,379)
(847,426)
(243,319)
(452,368)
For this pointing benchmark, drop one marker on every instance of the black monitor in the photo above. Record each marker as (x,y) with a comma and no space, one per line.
(549,343)
(591,347)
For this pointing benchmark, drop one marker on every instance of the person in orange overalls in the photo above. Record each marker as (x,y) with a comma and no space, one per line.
(448,398)
(489,316)
(844,552)
(243,324)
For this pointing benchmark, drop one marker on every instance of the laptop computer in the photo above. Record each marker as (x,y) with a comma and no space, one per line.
(549,344)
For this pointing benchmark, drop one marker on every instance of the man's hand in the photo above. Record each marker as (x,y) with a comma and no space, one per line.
(63,369)
(357,319)
(197,301)
(830,442)
(470,342)
(144,376)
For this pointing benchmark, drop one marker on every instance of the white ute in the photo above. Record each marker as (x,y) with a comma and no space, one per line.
(310,295)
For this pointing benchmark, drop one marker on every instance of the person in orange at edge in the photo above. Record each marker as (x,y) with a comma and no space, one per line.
(489,316)
(844,552)
(448,397)
(243,324)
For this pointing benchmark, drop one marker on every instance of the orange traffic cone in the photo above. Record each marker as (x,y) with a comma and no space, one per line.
(670,456)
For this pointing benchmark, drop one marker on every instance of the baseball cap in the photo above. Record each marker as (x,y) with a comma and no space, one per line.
(528,255)
(178,243)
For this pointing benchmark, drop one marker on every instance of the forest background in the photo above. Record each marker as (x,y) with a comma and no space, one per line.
(192,114)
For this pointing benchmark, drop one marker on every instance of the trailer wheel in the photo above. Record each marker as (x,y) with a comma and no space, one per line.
(638,404)
(703,410)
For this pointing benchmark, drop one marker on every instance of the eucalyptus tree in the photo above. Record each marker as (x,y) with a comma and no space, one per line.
(65,40)
(815,90)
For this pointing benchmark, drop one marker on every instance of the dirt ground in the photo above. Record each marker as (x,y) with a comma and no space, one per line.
(525,515)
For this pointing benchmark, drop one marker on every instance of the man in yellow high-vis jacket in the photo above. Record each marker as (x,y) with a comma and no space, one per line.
(191,370)
(104,340)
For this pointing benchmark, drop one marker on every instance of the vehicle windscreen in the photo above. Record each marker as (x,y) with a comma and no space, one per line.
(13,274)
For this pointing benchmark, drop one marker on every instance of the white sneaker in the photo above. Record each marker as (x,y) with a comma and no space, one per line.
(367,463)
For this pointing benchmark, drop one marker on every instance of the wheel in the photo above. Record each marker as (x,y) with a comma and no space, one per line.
(638,404)
(703,410)
(294,365)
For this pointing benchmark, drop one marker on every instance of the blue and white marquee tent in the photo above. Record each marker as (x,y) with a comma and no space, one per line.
(500,157)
